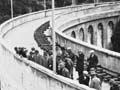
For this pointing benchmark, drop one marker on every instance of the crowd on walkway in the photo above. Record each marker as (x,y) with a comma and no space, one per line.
(66,60)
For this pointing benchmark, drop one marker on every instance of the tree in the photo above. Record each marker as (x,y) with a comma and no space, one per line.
(62,3)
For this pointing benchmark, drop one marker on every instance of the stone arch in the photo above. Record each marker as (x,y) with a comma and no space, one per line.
(100,40)
(73,34)
(110,29)
(81,34)
(90,34)
(111,25)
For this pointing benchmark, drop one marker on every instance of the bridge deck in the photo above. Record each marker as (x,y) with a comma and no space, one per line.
(23,35)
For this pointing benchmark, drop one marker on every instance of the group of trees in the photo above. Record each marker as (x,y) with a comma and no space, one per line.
(19,7)
(26,6)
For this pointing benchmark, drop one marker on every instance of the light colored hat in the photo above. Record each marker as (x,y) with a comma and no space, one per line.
(92,69)
(80,50)
(69,48)
(85,72)
(92,51)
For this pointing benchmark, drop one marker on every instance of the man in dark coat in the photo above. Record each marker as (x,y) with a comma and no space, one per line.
(80,63)
(30,56)
(113,85)
(92,60)
(69,66)
(71,54)
(84,79)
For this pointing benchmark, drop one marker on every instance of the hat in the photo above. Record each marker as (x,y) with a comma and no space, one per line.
(69,48)
(92,51)
(85,72)
(92,69)
(80,50)
(32,48)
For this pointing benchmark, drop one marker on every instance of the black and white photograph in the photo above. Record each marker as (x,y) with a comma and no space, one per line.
(59,44)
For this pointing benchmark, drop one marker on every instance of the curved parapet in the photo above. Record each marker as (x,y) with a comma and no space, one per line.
(20,74)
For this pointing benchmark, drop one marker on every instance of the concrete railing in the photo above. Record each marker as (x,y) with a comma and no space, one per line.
(21,74)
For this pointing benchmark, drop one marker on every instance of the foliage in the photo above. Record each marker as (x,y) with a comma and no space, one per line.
(61,3)
(26,6)
(19,7)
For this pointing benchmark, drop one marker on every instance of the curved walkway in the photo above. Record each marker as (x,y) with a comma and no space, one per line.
(19,36)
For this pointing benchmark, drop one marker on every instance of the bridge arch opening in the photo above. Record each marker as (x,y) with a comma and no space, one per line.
(81,34)
(100,40)
(73,34)
(110,30)
(90,34)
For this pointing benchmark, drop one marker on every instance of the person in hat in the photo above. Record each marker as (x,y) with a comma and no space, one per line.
(71,54)
(84,79)
(95,81)
(80,63)
(92,60)
(69,66)
(113,85)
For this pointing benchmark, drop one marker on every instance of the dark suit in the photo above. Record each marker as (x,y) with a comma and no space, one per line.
(84,80)
(80,64)
(93,61)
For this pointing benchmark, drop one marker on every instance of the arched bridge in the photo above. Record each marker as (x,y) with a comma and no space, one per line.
(83,27)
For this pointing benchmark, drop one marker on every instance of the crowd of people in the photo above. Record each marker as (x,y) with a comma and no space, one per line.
(66,60)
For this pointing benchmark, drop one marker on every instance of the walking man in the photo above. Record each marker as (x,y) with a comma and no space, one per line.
(92,60)
(80,63)
(95,81)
